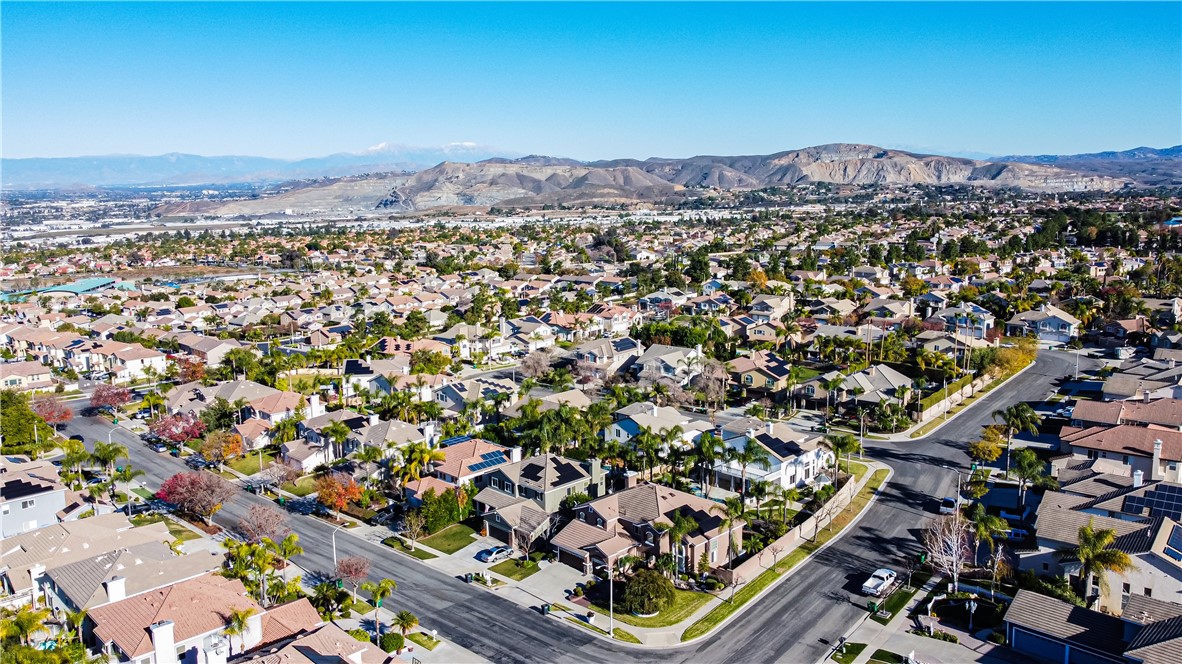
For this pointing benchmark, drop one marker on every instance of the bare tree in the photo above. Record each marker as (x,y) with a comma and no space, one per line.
(413,526)
(280,473)
(947,542)
(536,363)
(355,570)
(262,521)
(775,550)
(999,567)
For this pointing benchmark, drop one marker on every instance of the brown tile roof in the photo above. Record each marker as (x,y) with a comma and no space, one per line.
(327,645)
(195,607)
(460,456)
(1125,439)
(287,620)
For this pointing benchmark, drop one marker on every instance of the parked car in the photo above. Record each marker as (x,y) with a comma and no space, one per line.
(948,506)
(159,447)
(495,554)
(879,582)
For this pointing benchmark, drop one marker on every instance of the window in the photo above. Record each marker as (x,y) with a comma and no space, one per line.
(496,484)
(26,504)
(599,522)
(648,538)
(1149,592)
(1124,589)
(1045,567)
(583,518)
(1126,460)
(747,379)
(1091,454)
(508,486)
(1173,465)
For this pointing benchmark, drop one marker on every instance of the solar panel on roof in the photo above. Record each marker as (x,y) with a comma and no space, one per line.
(454,441)
(1174,545)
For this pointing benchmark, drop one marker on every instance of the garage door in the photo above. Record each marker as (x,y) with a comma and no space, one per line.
(498,532)
(567,558)
(1038,646)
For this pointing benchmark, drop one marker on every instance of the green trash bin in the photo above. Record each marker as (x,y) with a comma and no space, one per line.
(545,609)
(873,606)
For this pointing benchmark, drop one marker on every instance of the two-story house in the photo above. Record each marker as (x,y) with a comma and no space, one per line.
(520,500)
(638,522)
(31,496)
(1047,323)
(794,458)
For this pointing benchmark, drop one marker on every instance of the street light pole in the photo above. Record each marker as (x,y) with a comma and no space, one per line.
(334,545)
(611,600)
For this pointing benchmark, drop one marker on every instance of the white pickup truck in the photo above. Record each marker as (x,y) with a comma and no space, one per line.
(879,582)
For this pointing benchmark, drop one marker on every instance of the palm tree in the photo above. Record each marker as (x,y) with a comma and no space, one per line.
(648,444)
(152,400)
(985,526)
(126,475)
(831,386)
(1018,417)
(23,623)
(105,455)
(285,549)
(377,592)
(75,619)
(337,432)
(843,444)
(1096,559)
(731,511)
(751,454)
(405,621)
(237,626)
(710,450)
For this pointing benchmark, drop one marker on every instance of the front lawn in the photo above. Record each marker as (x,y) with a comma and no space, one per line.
(143,493)
(249,463)
(848,652)
(450,539)
(423,639)
(421,554)
(886,657)
(175,529)
(899,599)
(302,487)
(685,604)
(514,569)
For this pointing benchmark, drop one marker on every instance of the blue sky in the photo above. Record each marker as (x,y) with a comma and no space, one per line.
(588,80)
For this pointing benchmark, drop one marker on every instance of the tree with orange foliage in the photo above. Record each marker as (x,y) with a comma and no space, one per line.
(335,491)
(221,446)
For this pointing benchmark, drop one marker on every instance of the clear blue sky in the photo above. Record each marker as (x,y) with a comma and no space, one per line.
(589,80)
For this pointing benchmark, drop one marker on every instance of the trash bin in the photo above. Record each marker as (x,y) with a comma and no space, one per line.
(545,609)
(469,577)
(873,606)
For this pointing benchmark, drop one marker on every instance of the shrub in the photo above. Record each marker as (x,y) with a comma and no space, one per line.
(391,641)
(713,583)
(998,638)
(578,591)
(647,592)
(359,634)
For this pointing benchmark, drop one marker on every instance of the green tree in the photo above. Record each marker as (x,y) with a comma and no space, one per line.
(237,626)
(1030,471)
(1096,558)
(985,526)
(731,511)
(1018,417)
(647,592)
(379,591)
(405,621)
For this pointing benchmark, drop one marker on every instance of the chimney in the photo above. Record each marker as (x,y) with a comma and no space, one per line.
(1138,479)
(314,409)
(652,408)
(514,454)
(1146,396)
(116,588)
(163,642)
(1154,468)
(373,419)
(430,433)
(751,434)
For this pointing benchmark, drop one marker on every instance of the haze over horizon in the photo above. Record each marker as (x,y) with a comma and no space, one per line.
(588,81)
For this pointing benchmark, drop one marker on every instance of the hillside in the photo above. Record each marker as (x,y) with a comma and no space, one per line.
(1146,166)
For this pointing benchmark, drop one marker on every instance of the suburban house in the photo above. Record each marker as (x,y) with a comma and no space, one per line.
(630,420)
(25,376)
(608,356)
(1156,453)
(636,522)
(1047,323)
(112,576)
(795,459)
(876,384)
(477,391)
(326,643)
(1051,630)
(1162,413)
(466,460)
(520,500)
(670,362)
(31,496)
(761,372)
(966,319)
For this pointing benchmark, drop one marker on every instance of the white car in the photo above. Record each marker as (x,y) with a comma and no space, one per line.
(948,506)
(879,582)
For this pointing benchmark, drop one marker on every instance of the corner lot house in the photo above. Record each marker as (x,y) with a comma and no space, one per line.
(521,499)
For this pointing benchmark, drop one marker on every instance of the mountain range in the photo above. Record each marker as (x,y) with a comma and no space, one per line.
(535,181)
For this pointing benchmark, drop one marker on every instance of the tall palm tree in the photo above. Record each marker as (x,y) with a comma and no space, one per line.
(731,511)
(379,591)
(1018,417)
(337,432)
(751,454)
(843,444)
(106,454)
(648,444)
(1096,559)
(237,626)
(75,619)
(985,526)
(153,400)
(710,450)
(126,475)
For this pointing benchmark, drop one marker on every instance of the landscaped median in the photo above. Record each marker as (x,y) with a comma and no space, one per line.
(770,576)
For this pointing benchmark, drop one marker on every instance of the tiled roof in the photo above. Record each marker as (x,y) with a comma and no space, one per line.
(1070,623)
(1158,642)
(198,606)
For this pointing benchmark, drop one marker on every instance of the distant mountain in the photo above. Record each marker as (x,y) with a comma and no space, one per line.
(1145,166)
(177,168)
(538,180)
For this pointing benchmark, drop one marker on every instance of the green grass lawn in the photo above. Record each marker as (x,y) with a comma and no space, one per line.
(753,588)
(423,639)
(685,603)
(175,529)
(421,554)
(143,493)
(302,487)
(513,569)
(450,539)
(886,657)
(849,652)
(626,637)
(898,601)
(249,464)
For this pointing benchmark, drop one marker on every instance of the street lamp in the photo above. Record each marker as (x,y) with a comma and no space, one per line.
(109,435)
(334,545)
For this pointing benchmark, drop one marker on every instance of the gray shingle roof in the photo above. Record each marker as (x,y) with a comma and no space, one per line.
(1075,625)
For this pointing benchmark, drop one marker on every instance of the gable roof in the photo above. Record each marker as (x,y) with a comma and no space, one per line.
(1070,623)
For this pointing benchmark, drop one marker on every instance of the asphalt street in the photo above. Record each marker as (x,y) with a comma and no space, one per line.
(795,622)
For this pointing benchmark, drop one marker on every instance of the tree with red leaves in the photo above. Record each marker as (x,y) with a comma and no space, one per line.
(110,396)
(190,371)
(53,410)
(262,521)
(178,428)
(198,493)
(335,491)
(355,570)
